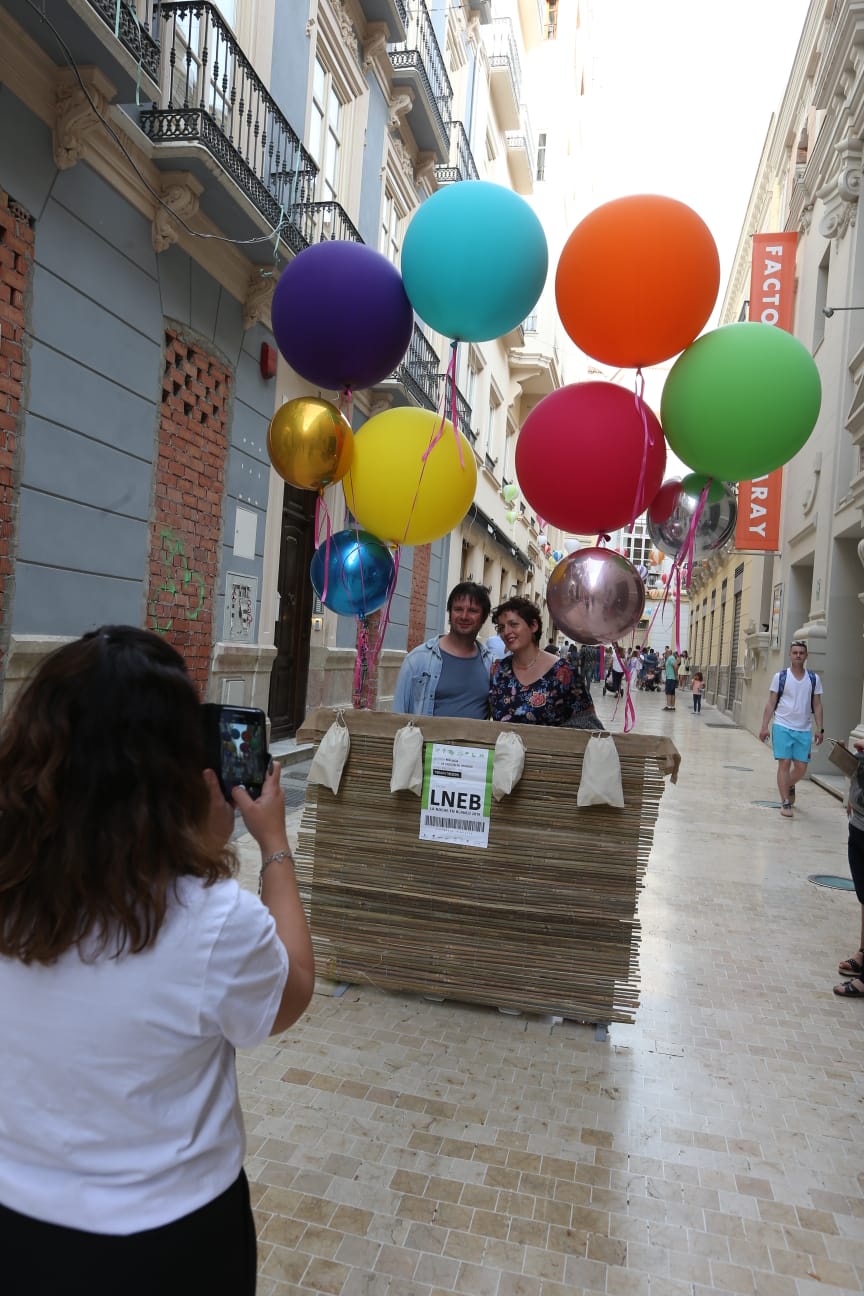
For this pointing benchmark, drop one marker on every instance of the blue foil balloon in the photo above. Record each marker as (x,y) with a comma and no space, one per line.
(358,570)
(474,260)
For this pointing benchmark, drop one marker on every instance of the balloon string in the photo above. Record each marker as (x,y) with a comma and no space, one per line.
(687,553)
(602,539)
(647,440)
(448,390)
(322,513)
(361,665)
(346,396)
(385,611)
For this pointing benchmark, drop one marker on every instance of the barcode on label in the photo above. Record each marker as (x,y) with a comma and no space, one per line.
(444,821)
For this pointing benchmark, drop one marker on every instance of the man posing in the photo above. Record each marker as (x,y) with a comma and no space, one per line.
(448,675)
(794,700)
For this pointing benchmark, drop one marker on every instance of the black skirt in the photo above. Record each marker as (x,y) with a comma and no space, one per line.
(210,1251)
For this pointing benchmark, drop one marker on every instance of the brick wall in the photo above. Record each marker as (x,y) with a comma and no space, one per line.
(185,530)
(419,594)
(16,265)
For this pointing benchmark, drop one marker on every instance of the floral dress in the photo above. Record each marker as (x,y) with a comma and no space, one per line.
(554,699)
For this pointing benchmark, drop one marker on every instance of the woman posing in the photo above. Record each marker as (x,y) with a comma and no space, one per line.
(131,968)
(530,685)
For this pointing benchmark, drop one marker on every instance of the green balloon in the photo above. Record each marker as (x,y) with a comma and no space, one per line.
(696,483)
(741,401)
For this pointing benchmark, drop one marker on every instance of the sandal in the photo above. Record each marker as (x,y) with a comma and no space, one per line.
(786,809)
(854,966)
(848,990)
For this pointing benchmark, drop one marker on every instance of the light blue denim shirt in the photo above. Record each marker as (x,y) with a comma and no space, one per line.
(419,675)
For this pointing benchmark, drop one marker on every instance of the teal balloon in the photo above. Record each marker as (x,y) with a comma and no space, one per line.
(474,261)
(741,401)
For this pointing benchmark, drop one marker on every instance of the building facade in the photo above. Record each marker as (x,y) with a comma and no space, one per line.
(159,167)
(747,608)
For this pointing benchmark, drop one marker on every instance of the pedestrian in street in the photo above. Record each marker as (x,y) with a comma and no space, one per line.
(587,662)
(448,675)
(671,672)
(132,966)
(698,690)
(853,966)
(532,686)
(684,670)
(794,701)
(617,671)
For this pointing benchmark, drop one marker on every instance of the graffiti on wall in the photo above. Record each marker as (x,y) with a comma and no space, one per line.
(178,580)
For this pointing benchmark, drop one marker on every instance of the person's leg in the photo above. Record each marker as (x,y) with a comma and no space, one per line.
(854,965)
(783,768)
(672,688)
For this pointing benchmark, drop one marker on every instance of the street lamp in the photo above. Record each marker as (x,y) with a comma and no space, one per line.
(828,311)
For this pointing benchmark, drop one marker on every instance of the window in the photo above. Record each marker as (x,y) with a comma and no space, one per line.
(541,156)
(392,224)
(551,24)
(325,133)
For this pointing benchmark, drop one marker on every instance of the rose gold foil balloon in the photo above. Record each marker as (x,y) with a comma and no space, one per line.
(310,443)
(595,596)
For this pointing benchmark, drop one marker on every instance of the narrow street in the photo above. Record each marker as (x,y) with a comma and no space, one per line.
(399,1147)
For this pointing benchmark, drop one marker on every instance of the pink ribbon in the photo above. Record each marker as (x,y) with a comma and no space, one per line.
(321,512)
(647,440)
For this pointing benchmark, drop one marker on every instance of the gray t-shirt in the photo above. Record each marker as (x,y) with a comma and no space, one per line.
(463,688)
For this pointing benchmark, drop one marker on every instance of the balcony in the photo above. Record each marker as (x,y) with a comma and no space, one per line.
(521,155)
(536,363)
(218,118)
(463,412)
(505,73)
(121,40)
(392,13)
(419,69)
(462,165)
(532,15)
(482,9)
(319,222)
(416,381)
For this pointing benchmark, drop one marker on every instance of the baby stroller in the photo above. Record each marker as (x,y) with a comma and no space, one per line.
(651,679)
(613,683)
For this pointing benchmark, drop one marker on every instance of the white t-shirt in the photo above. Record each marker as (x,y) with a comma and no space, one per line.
(118,1091)
(794,710)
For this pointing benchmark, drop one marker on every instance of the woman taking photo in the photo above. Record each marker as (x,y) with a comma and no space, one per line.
(131,967)
(532,686)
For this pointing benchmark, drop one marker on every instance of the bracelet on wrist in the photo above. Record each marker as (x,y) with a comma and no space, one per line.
(271,859)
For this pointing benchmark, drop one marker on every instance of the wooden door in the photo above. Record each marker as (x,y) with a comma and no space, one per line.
(288,677)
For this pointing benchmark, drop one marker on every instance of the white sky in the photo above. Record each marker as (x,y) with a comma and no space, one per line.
(683,92)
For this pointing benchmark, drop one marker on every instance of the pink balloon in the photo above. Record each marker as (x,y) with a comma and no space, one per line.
(595,596)
(590,457)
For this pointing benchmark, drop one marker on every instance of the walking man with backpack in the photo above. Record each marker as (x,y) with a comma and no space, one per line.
(794,702)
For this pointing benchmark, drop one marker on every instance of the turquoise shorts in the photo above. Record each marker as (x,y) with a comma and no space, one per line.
(791,744)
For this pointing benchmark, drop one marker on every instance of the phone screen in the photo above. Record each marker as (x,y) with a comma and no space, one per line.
(237,746)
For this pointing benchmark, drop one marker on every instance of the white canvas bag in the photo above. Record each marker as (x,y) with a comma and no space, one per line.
(601,774)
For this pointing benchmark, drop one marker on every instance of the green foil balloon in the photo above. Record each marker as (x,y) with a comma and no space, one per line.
(741,401)
(696,483)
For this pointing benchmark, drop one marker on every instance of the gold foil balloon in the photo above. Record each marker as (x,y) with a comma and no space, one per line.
(310,443)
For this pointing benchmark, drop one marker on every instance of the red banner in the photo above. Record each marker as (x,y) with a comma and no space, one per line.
(772,301)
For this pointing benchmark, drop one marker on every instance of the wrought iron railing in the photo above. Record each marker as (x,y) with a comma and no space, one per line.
(215,97)
(505,53)
(422,52)
(462,165)
(136,28)
(463,413)
(320,221)
(418,372)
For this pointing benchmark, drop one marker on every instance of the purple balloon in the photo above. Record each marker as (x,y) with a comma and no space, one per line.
(595,596)
(341,317)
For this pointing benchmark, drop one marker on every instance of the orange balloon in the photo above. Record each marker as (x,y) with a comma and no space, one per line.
(637,280)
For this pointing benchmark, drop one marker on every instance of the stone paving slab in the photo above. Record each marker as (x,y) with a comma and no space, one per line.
(398,1147)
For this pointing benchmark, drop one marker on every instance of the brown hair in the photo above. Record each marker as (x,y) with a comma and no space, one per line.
(102,801)
(523,608)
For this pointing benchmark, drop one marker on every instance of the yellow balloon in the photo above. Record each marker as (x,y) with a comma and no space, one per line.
(310,443)
(390,491)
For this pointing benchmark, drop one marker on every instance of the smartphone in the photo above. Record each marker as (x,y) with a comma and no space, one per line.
(236,739)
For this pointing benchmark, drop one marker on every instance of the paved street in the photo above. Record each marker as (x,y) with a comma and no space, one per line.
(399,1147)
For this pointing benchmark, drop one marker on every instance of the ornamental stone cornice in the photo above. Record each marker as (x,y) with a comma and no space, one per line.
(180,193)
(74,117)
(840,196)
(259,299)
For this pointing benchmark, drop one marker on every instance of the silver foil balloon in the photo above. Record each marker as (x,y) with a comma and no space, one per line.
(595,596)
(715,526)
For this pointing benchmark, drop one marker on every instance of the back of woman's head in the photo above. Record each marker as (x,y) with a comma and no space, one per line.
(102,801)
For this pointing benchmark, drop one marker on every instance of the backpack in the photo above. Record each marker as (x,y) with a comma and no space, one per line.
(782,684)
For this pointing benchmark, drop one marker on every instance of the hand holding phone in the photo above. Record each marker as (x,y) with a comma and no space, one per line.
(236,740)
